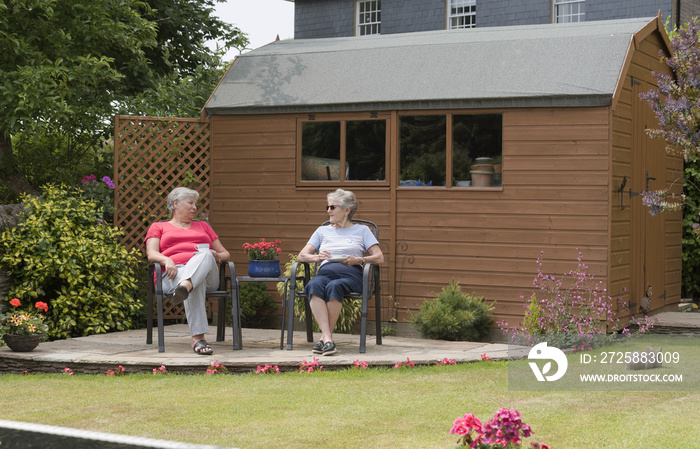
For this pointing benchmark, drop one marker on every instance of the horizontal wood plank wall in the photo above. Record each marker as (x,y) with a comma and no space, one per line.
(253,165)
(554,199)
(645,59)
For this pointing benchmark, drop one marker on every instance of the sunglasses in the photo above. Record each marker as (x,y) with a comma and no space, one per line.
(332,207)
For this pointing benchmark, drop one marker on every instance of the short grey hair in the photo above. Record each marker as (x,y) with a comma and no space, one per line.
(345,199)
(180,193)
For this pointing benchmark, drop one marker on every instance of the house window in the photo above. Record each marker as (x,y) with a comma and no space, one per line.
(462,14)
(369,17)
(344,150)
(471,143)
(567,11)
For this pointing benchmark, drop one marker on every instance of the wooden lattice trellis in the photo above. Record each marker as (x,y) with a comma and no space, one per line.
(151,157)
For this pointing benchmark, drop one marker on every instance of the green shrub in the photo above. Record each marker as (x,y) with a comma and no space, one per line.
(531,321)
(63,255)
(348,314)
(256,304)
(454,316)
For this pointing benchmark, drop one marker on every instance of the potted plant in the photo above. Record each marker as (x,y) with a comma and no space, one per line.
(22,331)
(261,256)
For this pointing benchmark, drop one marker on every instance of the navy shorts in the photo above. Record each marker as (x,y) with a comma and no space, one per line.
(334,281)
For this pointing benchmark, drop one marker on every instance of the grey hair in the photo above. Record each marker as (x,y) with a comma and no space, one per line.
(180,193)
(345,199)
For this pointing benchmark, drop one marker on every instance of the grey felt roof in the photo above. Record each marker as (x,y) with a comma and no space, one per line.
(576,64)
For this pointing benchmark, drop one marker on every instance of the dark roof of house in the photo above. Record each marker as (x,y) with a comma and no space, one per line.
(575,64)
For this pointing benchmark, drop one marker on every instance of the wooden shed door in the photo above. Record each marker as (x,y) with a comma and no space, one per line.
(648,231)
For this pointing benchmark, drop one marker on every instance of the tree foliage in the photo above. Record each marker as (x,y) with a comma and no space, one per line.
(66,66)
(676,100)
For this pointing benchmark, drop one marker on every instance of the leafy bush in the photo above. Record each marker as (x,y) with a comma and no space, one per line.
(62,255)
(256,304)
(348,313)
(454,316)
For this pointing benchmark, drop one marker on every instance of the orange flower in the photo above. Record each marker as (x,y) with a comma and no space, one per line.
(15,302)
(42,306)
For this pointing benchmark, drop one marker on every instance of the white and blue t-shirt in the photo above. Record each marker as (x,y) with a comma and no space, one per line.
(352,241)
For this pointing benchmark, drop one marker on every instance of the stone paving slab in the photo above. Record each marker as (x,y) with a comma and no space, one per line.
(98,353)
(678,320)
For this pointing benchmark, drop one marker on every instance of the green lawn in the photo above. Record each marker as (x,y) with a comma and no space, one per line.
(376,408)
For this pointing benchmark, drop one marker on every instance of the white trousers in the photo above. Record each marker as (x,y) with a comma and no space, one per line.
(203,271)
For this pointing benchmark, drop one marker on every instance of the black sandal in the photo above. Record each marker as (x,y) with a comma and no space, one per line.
(180,295)
(200,348)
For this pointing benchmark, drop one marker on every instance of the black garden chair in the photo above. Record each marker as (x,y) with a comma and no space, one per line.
(371,287)
(223,293)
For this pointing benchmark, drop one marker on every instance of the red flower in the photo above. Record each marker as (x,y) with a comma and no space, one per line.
(262,250)
(15,302)
(42,306)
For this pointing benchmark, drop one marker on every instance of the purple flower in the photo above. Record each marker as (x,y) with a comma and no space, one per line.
(108,181)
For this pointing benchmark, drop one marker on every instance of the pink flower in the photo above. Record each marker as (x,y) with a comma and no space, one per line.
(309,367)
(361,365)
(407,364)
(463,425)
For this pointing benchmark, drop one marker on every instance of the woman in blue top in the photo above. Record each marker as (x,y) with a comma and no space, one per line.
(342,248)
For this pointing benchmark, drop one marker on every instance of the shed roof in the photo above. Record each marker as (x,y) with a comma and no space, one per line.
(575,64)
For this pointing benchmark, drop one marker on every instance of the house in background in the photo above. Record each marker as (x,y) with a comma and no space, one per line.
(417,124)
(344,18)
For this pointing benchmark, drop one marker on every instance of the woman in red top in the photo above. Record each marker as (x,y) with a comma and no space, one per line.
(189,273)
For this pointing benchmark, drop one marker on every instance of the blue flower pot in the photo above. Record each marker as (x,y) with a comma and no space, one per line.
(264,268)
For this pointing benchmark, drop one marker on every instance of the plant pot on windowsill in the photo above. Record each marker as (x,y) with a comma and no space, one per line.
(23,343)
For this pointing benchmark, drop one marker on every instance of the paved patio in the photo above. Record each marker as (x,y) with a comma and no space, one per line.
(99,353)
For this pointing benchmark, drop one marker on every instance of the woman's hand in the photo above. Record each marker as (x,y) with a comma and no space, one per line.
(323,255)
(352,260)
(170,268)
(217,256)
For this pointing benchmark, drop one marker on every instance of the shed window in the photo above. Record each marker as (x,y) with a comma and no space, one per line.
(476,150)
(369,17)
(343,150)
(566,11)
(468,147)
(422,150)
(462,14)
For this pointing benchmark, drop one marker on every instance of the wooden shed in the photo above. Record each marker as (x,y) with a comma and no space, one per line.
(474,150)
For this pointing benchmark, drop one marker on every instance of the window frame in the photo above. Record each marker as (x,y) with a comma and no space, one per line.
(343,119)
(360,27)
(449,146)
(471,14)
(580,15)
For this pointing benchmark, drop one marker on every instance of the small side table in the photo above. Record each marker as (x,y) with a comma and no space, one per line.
(287,297)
